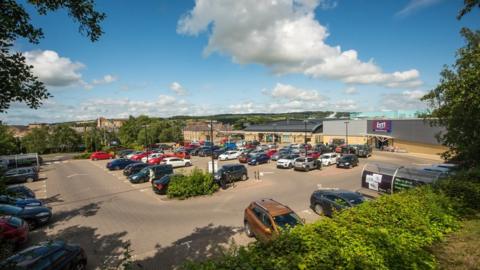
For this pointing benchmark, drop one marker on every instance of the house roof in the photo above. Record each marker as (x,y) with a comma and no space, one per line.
(312,126)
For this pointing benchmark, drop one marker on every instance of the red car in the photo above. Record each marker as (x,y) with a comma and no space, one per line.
(13,229)
(243,158)
(271,152)
(139,157)
(313,154)
(182,154)
(157,160)
(100,155)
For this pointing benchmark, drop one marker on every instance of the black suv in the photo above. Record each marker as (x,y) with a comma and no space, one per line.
(326,201)
(150,173)
(347,161)
(230,173)
(48,255)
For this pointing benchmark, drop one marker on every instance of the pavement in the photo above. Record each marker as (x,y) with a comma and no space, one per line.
(103,212)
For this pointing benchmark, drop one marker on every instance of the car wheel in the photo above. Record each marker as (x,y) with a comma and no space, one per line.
(350,166)
(307,169)
(318,209)
(94,159)
(256,163)
(248,230)
(117,168)
(29,180)
(244,177)
(290,166)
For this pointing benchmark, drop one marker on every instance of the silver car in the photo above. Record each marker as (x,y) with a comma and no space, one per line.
(306,164)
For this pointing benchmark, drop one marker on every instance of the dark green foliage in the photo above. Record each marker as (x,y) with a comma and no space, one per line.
(455,103)
(195,184)
(85,155)
(17,83)
(144,130)
(37,140)
(7,141)
(64,139)
(467,7)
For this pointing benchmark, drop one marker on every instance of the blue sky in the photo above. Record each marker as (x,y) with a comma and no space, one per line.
(164,58)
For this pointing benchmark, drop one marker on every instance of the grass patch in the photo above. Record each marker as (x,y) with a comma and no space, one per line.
(461,249)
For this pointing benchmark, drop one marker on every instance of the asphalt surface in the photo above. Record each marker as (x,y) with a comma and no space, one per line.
(103,212)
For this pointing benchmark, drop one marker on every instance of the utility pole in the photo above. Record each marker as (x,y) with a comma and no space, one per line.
(146,142)
(346,133)
(305,136)
(211,138)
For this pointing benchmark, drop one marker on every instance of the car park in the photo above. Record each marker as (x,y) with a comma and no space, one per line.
(150,173)
(306,164)
(48,255)
(20,191)
(134,168)
(21,175)
(329,159)
(100,155)
(119,164)
(286,162)
(176,162)
(229,173)
(347,161)
(266,218)
(20,202)
(229,155)
(258,159)
(13,230)
(34,216)
(327,201)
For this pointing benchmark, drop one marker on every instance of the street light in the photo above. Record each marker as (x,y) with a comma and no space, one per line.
(146,142)
(305,136)
(211,147)
(274,131)
(346,132)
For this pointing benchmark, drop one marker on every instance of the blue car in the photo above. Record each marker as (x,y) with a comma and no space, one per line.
(119,164)
(20,202)
(258,159)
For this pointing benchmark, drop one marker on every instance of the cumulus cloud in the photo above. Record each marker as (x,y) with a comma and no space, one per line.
(284,36)
(52,69)
(406,100)
(415,5)
(350,91)
(105,80)
(292,93)
(178,89)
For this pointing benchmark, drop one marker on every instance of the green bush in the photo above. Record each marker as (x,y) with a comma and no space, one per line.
(85,155)
(195,184)
(392,232)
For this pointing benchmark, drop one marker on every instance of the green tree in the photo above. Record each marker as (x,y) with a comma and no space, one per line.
(92,138)
(7,141)
(455,103)
(17,82)
(37,140)
(64,138)
(467,7)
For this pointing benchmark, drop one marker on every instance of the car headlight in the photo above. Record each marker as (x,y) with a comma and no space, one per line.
(42,214)
(346,163)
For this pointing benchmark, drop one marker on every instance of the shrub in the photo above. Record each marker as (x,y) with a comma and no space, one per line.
(195,184)
(392,232)
(85,155)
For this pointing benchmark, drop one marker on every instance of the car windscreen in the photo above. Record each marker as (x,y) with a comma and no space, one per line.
(287,220)
(300,160)
(15,222)
(163,180)
(10,209)
(346,158)
(353,198)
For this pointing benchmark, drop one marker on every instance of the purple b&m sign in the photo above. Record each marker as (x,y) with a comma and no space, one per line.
(382,126)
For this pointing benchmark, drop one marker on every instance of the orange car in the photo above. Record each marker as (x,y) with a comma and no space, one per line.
(266,218)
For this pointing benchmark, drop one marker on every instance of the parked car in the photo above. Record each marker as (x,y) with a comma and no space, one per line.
(281,153)
(134,168)
(271,152)
(157,160)
(123,153)
(363,150)
(119,164)
(306,164)
(205,152)
(329,159)
(286,162)
(151,156)
(139,156)
(258,159)
(34,216)
(100,155)
(266,218)
(129,156)
(347,161)
(229,173)
(243,158)
(313,154)
(150,173)
(160,185)
(218,152)
(20,202)
(176,162)
(21,175)
(13,230)
(326,201)
(20,191)
(229,155)
(48,255)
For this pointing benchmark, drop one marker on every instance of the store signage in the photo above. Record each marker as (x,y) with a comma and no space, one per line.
(382,126)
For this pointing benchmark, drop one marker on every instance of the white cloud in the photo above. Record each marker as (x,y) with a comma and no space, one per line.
(284,36)
(415,5)
(406,100)
(178,89)
(292,93)
(350,91)
(415,94)
(345,105)
(52,69)
(105,80)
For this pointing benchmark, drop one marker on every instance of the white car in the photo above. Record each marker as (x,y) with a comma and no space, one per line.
(154,155)
(177,162)
(329,159)
(229,155)
(287,162)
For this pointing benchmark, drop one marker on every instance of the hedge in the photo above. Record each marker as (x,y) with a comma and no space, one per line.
(195,184)
(391,232)
(85,155)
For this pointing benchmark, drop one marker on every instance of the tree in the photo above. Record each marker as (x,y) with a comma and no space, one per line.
(37,140)
(467,7)
(17,82)
(64,138)
(455,103)
(92,138)
(7,141)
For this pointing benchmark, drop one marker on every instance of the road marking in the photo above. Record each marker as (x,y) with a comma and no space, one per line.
(76,174)
(143,190)
(56,162)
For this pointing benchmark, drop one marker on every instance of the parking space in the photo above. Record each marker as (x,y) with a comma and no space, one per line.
(102,210)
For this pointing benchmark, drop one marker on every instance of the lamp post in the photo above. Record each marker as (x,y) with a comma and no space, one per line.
(211,147)
(346,132)
(273,135)
(305,136)
(146,142)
